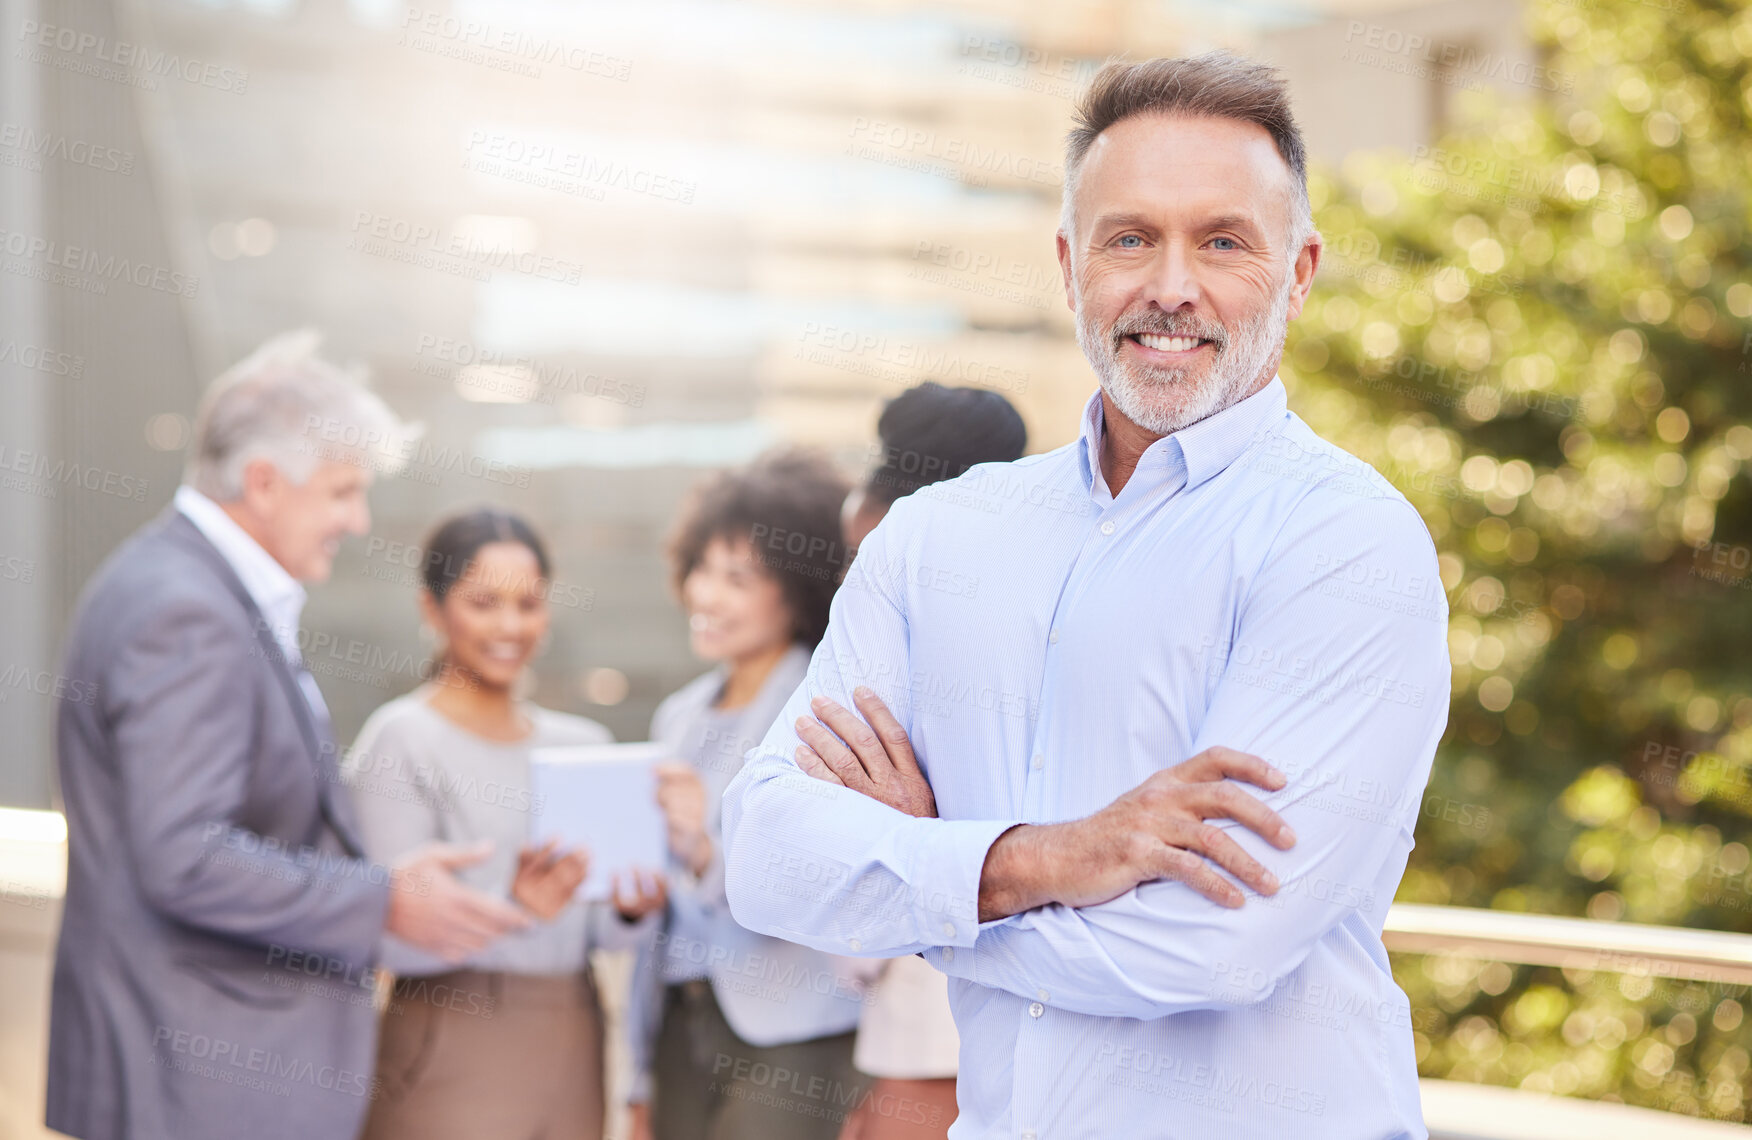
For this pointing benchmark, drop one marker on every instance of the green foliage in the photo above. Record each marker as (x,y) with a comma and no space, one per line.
(1539,331)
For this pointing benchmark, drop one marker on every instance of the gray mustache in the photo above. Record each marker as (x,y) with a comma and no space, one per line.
(1169,325)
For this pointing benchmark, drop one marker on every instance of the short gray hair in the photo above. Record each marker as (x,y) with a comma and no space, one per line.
(1219,85)
(286,404)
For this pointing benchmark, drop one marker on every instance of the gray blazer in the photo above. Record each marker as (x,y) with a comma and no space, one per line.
(218,920)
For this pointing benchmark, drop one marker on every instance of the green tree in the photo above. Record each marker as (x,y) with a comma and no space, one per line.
(1538,329)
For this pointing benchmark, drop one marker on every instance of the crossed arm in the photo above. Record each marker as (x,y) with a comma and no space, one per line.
(1123,913)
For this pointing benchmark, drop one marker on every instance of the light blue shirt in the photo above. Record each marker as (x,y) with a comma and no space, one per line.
(1048,646)
(771,991)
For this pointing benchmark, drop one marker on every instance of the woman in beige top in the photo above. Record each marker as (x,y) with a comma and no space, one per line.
(506,1043)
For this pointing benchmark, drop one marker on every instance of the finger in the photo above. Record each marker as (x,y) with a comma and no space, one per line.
(1219,762)
(493,914)
(858,736)
(464,937)
(571,874)
(548,857)
(1217,846)
(813,765)
(454,855)
(1184,867)
(671,775)
(887,727)
(1229,801)
(833,752)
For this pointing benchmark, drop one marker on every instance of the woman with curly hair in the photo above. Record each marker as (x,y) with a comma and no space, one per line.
(737,1036)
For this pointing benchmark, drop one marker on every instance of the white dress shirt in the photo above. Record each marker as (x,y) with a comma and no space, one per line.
(1048,646)
(275,592)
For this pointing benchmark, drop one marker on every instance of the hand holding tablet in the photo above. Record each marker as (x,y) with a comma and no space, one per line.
(601,798)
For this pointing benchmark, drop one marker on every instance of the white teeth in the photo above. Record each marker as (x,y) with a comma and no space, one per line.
(1168,343)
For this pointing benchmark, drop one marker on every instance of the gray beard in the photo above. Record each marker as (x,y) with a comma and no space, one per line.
(1164,400)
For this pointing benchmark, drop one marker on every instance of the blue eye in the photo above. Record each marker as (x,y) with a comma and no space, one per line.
(1231,242)
(1127,241)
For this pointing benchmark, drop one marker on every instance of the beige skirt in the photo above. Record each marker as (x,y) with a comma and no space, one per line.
(470,1054)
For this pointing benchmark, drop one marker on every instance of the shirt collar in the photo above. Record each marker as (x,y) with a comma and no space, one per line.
(1205,447)
(277,594)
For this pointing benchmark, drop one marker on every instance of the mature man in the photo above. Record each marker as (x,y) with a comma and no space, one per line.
(1196,582)
(219,918)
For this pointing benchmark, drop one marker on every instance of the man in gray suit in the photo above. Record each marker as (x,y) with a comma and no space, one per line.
(213,976)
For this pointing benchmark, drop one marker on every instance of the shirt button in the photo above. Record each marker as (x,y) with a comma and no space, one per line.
(1031,1136)
(855,944)
(1039,763)
(949,929)
(948,953)
(1053,637)
(1041,994)
(1035,1009)
(1107,528)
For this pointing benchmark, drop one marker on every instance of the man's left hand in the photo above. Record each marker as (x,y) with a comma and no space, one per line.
(874,758)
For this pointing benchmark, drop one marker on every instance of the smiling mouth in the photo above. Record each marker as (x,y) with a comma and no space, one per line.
(1164,343)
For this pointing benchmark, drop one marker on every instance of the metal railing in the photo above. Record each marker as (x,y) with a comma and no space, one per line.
(32,858)
(1457,1111)
(1546,940)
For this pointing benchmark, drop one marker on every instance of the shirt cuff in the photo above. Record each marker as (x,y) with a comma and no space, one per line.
(947,864)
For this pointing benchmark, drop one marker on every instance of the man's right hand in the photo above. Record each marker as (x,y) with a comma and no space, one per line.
(430,909)
(1158,830)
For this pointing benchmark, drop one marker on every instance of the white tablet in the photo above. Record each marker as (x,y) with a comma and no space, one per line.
(603,798)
